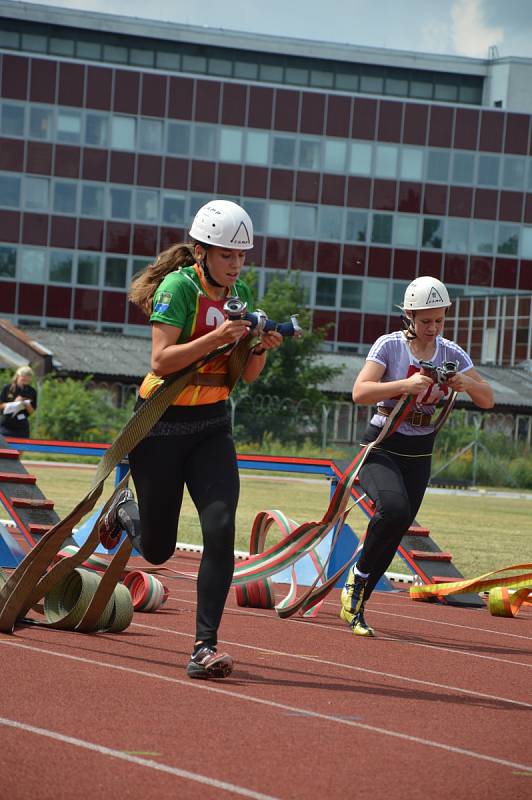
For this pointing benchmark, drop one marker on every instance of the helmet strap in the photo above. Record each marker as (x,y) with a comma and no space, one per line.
(205,268)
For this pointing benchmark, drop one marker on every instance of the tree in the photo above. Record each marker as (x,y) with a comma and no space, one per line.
(286,401)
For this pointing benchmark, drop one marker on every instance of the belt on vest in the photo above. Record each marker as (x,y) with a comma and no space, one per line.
(416,418)
(208,379)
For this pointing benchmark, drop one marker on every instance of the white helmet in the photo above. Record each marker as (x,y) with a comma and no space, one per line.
(425,292)
(224,224)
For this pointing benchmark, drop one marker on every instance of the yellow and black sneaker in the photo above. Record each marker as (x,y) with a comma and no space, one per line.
(356,622)
(352,595)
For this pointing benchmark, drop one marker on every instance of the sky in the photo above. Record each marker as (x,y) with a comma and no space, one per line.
(453,27)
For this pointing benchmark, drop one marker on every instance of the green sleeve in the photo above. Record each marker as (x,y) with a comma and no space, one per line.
(171,302)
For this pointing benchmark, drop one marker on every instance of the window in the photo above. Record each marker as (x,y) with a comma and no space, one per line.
(271,73)
(278,219)
(304,221)
(360,163)
(386,161)
(406,231)
(41,123)
(69,127)
(88,269)
(147,205)
(114,53)
(8,262)
(144,58)
(32,265)
(438,165)
(488,170)
(194,63)
(411,164)
(508,240)
(205,141)
(432,233)
(165,60)
(61,269)
(92,201)
(12,120)
(115,272)
(9,191)
(37,193)
(398,295)
(356,226)
(326,291)
(246,69)
(482,235)
(150,135)
(96,130)
(309,154)
(421,88)
(284,151)
(463,168)
(231,144)
(257,145)
(513,173)
(457,236)
(331,223)
(123,130)
(321,78)
(381,231)
(178,141)
(296,75)
(120,203)
(65,197)
(526,242)
(334,157)
(220,66)
(173,211)
(376,296)
(351,293)
(257,211)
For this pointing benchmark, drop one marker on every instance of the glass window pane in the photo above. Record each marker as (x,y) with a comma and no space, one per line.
(482,235)
(406,231)
(12,120)
(92,201)
(115,272)
(230,144)
(147,203)
(220,66)
(178,138)
(326,291)
(397,86)
(488,170)
(463,168)
(166,60)
(438,165)
(278,219)
(120,202)
(246,69)
(62,47)
(421,89)
(271,72)
(346,82)
(114,53)
(372,84)
(41,123)
(205,141)
(513,173)
(37,193)
(8,262)
(321,78)
(257,211)
(10,191)
(88,269)
(151,135)
(334,156)
(376,296)
(526,242)
(432,233)
(256,151)
(309,154)
(357,226)
(381,231)
(194,63)
(360,163)
(65,197)
(69,127)
(304,221)
(144,58)
(34,42)
(89,50)
(398,295)
(331,223)
(123,133)
(173,209)
(445,91)
(296,75)
(284,151)
(411,164)
(31,265)
(96,130)
(61,268)
(457,236)
(386,161)
(508,240)
(351,293)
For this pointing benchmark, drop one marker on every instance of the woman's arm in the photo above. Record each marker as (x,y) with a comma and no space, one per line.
(476,387)
(369,389)
(168,357)
(256,361)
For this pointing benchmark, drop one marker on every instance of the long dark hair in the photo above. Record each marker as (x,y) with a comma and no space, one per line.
(145,283)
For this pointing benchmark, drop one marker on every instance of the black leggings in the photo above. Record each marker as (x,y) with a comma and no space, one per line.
(205,462)
(395,476)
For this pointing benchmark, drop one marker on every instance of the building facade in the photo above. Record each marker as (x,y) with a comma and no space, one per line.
(360,168)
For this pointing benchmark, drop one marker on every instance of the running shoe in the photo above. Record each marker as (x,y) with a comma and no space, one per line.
(206,664)
(356,622)
(110,525)
(352,595)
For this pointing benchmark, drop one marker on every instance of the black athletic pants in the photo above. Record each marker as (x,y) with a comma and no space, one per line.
(192,447)
(395,476)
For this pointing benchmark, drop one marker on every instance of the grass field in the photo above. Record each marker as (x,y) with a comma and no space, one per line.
(482,533)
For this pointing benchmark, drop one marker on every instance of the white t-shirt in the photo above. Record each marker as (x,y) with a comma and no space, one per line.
(393,352)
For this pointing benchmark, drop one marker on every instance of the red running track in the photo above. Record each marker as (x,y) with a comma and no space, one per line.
(438,704)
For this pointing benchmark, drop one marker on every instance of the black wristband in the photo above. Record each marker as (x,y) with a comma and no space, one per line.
(258,351)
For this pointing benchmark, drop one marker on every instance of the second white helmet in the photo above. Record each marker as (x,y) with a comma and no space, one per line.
(224,224)
(425,292)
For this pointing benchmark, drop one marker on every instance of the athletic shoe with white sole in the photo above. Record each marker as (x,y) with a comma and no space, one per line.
(207,664)
(110,525)
(356,622)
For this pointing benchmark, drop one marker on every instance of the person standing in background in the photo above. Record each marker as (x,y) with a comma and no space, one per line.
(18,401)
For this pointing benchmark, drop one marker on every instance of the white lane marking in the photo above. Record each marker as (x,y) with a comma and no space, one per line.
(351,667)
(205,687)
(131,759)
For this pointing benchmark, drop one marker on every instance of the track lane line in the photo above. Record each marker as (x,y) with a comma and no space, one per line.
(205,687)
